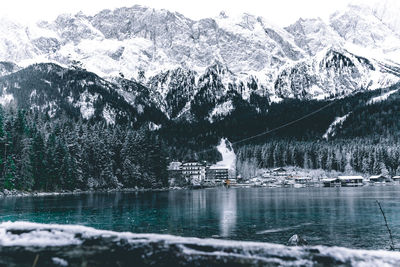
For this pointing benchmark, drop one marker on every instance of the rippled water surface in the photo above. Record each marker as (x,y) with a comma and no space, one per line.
(346,217)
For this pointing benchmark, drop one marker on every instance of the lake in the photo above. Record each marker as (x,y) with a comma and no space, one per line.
(347,217)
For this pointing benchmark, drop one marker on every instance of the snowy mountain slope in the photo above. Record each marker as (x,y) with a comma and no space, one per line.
(246,45)
(332,73)
(358,25)
(173,90)
(15,45)
(54,90)
(387,11)
(338,122)
(369,31)
(7,68)
(382,97)
(221,110)
(314,35)
(192,66)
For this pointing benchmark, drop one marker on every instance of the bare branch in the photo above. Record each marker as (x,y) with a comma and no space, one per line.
(387,226)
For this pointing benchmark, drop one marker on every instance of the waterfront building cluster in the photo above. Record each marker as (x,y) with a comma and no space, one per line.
(204,174)
(360,180)
(197,173)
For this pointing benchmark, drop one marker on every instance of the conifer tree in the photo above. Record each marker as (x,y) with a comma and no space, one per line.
(10,174)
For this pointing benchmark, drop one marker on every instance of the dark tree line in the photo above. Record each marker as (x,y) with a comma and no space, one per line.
(367,142)
(40,153)
(358,155)
(257,115)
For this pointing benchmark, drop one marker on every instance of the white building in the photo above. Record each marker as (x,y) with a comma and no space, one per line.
(396,179)
(174,166)
(279,172)
(331,182)
(351,180)
(217,174)
(195,172)
(378,179)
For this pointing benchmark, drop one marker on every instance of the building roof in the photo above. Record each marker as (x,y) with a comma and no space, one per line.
(396,177)
(194,163)
(350,177)
(376,176)
(303,178)
(175,165)
(329,179)
(218,168)
(280,169)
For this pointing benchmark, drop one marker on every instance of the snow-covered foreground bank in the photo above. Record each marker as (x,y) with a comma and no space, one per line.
(23,243)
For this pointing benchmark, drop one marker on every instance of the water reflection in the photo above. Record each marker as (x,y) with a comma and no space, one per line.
(329,216)
(228,211)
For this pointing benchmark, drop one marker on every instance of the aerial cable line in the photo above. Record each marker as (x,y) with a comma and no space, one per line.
(284,125)
(279,127)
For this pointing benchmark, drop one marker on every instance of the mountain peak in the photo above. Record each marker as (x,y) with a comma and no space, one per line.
(313,35)
(245,53)
(223,15)
(387,11)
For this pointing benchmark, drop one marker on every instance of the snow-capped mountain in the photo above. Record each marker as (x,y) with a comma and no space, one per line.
(387,11)
(173,90)
(15,44)
(193,67)
(53,90)
(366,33)
(314,35)
(331,73)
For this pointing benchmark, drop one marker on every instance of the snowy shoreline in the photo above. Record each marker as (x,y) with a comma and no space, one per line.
(16,193)
(75,245)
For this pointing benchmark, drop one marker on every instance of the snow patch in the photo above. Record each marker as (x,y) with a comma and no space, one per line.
(381,98)
(34,31)
(154,127)
(52,109)
(57,236)
(6,99)
(336,123)
(221,110)
(186,110)
(140,109)
(33,94)
(109,115)
(86,104)
(318,93)
(59,261)
(128,96)
(26,235)
(46,81)
(228,157)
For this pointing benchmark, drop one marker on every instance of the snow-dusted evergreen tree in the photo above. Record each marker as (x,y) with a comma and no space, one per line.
(25,168)
(10,174)
(131,174)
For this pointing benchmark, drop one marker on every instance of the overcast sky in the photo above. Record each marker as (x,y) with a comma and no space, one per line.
(281,12)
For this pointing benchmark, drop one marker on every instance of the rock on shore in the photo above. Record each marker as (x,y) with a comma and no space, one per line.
(297,240)
(23,244)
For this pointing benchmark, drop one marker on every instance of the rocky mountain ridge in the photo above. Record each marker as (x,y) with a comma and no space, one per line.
(187,64)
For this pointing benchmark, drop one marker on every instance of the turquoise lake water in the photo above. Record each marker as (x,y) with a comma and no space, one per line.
(347,217)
